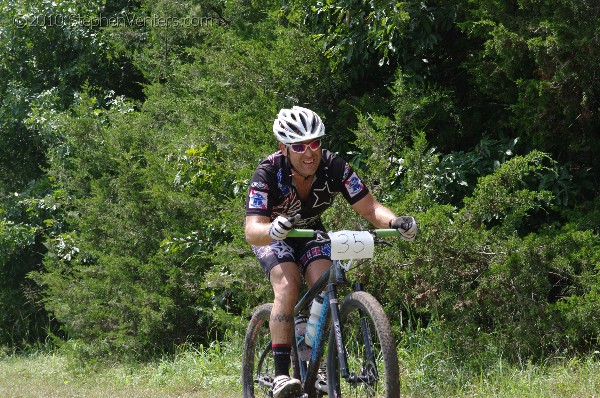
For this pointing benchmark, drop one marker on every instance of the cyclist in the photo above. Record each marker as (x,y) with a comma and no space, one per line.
(292,188)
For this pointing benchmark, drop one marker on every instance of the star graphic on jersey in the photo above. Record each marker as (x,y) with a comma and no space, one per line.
(320,195)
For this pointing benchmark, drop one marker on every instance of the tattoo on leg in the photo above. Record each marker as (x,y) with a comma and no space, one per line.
(282,318)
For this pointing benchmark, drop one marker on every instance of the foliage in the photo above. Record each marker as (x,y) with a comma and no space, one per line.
(365,36)
(28,71)
(48,51)
(128,147)
(505,69)
(356,30)
(479,271)
(536,60)
(18,321)
(25,220)
(122,191)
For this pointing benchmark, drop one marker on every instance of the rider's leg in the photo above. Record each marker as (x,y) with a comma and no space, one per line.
(285,279)
(278,263)
(315,269)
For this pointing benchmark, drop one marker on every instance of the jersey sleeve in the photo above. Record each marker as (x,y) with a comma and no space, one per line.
(259,200)
(350,184)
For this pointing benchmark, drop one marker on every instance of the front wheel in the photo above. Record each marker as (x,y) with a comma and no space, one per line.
(370,348)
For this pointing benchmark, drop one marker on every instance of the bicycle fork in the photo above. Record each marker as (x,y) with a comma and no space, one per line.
(369,366)
(369,370)
(337,330)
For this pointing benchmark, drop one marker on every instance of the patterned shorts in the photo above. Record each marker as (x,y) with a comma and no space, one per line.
(297,250)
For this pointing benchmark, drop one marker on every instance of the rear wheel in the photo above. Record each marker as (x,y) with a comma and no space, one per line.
(258,370)
(371,350)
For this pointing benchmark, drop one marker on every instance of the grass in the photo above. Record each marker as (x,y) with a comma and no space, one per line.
(576,378)
(214,372)
(432,368)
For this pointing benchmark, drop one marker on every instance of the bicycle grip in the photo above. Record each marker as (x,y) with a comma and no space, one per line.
(382,233)
(301,233)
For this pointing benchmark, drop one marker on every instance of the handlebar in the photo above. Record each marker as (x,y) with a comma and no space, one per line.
(311,233)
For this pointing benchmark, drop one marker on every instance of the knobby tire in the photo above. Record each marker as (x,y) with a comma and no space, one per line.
(387,384)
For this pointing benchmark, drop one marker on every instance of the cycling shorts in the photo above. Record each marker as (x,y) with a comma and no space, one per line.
(301,251)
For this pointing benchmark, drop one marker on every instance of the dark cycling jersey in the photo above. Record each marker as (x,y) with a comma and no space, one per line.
(272,192)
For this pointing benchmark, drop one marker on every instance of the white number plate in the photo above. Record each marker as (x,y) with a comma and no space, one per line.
(348,245)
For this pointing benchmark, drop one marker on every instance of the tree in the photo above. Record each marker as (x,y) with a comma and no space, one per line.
(48,51)
(536,61)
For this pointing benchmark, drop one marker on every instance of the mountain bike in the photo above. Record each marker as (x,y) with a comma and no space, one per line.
(353,340)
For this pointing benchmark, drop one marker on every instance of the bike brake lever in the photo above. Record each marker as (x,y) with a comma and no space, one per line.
(320,237)
(380,241)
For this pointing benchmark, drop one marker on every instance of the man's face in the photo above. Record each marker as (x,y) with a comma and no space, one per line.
(304,163)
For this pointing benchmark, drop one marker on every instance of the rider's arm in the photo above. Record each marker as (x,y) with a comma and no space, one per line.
(257,230)
(373,211)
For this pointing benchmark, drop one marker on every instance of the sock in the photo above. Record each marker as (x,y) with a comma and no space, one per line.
(282,359)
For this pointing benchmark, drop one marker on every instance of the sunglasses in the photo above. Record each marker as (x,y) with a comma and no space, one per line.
(301,148)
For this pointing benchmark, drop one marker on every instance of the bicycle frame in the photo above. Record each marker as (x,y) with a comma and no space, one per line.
(333,276)
(330,279)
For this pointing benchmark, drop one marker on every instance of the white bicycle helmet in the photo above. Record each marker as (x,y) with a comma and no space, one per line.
(296,125)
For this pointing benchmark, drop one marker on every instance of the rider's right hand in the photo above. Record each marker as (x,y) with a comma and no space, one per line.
(281,226)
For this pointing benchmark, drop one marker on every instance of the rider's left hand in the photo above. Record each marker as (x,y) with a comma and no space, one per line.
(406,225)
